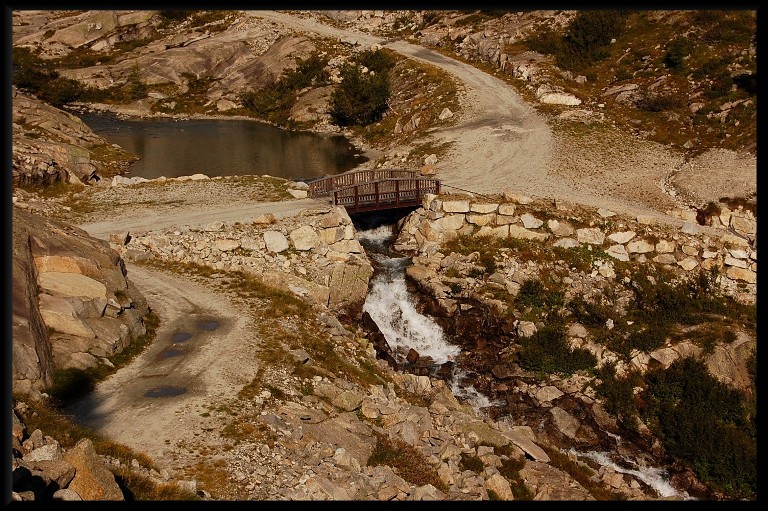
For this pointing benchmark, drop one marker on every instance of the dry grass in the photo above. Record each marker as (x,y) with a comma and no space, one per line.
(406,461)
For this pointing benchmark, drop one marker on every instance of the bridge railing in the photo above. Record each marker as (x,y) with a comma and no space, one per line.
(385,194)
(325,186)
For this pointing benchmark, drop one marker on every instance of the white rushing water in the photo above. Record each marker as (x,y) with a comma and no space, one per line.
(654,477)
(470,394)
(390,306)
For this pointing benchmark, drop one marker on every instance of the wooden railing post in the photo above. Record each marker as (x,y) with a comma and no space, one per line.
(357,197)
(397,192)
(376,190)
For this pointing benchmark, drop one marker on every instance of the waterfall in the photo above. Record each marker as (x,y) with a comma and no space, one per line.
(391,306)
(469,393)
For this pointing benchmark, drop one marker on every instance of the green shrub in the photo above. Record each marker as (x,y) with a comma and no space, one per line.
(309,71)
(734,27)
(135,88)
(594,29)
(535,295)
(711,67)
(589,313)
(545,41)
(661,302)
(675,53)
(70,384)
(378,61)
(617,394)
(274,101)
(746,82)
(359,100)
(703,423)
(32,74)
(586,40)
(547,351)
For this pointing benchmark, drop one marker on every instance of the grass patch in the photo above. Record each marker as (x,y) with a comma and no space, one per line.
(215,479)
(46,416)
(279,302)
(406,461)
(138,487)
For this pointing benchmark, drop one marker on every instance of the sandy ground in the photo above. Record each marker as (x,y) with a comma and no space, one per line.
(208,366)
(500,143)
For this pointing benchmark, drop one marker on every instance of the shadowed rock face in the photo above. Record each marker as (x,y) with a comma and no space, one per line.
(72,302)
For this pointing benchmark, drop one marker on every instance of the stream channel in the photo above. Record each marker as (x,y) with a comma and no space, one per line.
(420,345)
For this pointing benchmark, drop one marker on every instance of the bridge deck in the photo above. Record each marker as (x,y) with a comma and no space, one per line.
(374,190)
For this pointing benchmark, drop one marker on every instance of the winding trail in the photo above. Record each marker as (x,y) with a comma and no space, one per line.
(502,143)
(209,369)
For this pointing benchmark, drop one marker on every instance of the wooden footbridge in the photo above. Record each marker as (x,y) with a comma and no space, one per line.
(374,190)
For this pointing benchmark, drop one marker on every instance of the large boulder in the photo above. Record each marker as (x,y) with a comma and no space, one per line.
(72,302)
(93,480)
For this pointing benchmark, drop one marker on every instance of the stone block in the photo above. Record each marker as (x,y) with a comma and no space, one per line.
(456,206)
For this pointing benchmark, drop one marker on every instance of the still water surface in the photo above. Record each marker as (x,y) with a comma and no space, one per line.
(223,147)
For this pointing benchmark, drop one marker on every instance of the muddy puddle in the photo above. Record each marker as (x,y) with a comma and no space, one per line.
(165,391)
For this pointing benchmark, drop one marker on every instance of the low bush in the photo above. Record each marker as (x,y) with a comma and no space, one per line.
(675,53)
(471,462)
(510,469)
(661,102)
(618,394)
(589,313)
(547,351)
(703,423)
(720,85)
(274,101)
(586,40)
(535,295)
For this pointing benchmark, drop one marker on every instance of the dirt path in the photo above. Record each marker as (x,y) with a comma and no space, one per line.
(149,220)
(208,366)
(501,143)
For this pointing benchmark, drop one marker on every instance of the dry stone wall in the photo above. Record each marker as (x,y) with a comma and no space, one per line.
(315,254)
(642,239)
